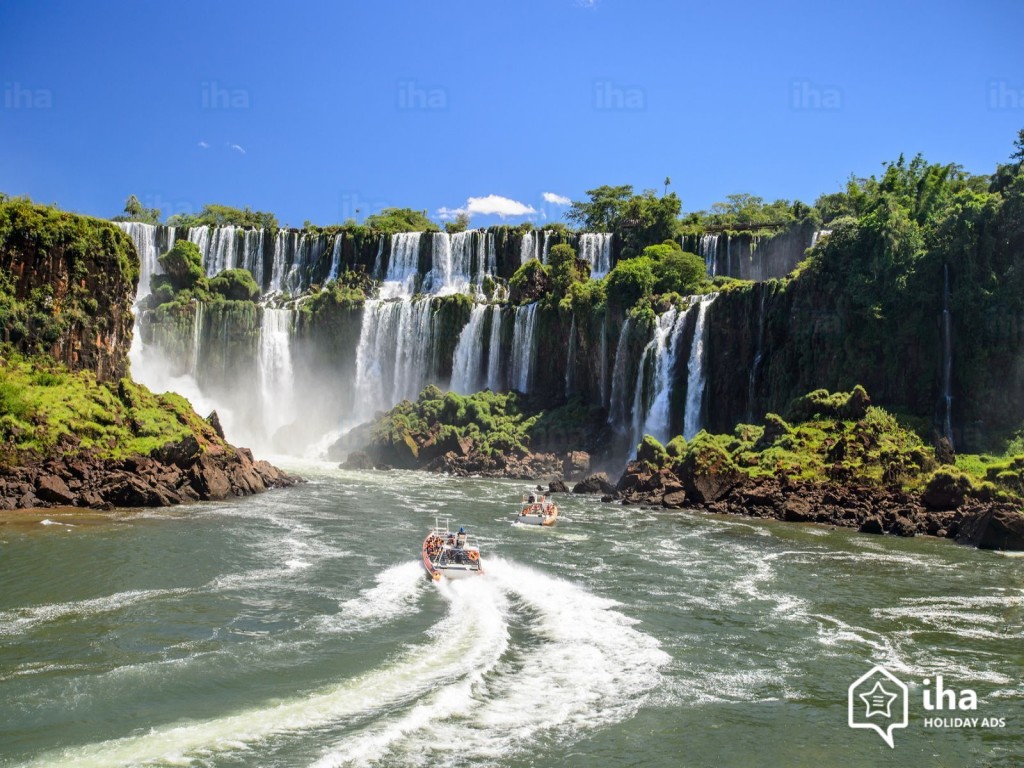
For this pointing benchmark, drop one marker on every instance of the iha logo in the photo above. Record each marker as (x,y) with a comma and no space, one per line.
(880,701)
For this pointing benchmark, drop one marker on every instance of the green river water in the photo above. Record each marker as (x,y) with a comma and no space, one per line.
(297,628)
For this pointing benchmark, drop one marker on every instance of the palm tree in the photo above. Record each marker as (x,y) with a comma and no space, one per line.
(133,207)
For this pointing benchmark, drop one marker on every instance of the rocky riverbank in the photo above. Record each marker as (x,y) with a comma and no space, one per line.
(869,509)
(178,473)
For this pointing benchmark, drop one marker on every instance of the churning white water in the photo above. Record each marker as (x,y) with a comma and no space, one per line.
(303,633)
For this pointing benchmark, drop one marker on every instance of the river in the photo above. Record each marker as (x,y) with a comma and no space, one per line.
(296,628)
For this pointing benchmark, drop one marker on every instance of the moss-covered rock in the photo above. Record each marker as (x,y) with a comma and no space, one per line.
(706,469)
(529,283)
(235,285)
(652,452)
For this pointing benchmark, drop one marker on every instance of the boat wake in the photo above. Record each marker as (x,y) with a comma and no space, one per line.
(517,658)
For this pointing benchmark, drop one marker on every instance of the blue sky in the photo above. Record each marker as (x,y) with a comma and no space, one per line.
(319,110)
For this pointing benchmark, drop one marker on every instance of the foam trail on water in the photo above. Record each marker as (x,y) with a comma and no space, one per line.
(20,620)
(395,594)
(479,611)
(582,665)
(449,656)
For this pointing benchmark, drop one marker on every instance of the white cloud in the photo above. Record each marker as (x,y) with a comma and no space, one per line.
(551,197)
(492,205)
(238,147)
(203,145)
(497,205)
(450,214)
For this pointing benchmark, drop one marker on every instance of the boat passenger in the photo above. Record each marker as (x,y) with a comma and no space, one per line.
(460,540)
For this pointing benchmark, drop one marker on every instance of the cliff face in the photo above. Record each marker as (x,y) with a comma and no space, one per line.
(772,342)
(67,284)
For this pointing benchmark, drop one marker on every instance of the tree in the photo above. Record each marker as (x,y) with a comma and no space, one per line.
(566,268)
(647,220)
(459,224)
(392,220)
(133,207)
(639,220)
(134,211)
(630,281)
(675,270)
(216,215)
(604,210)
(668,181)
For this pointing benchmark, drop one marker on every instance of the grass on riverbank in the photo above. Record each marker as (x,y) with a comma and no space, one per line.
(46,410)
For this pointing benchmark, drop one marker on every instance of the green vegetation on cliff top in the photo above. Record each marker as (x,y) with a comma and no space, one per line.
(836,437)
(47,410)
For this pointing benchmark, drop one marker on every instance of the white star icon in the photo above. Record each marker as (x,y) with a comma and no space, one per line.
(878,701)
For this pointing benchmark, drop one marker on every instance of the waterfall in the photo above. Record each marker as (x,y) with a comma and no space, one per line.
(275,366)
(602,361)
(492,254)
(440,275)
(494,351)
(695,379)
(197,340)
(570,366)
(755,368)
(339,241)
(524,348)
(818,234)
(528,247)
(222,250)
(469,353)
(947,357)
(708,248)
(151,241)
(403,266)
(307,250)
(378,265)
(546,248)
(596,250)
(661,351)
(218,246)
(617,407)
(277,266)
(480,250)
(393,355)
(452,268)
(252,254)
